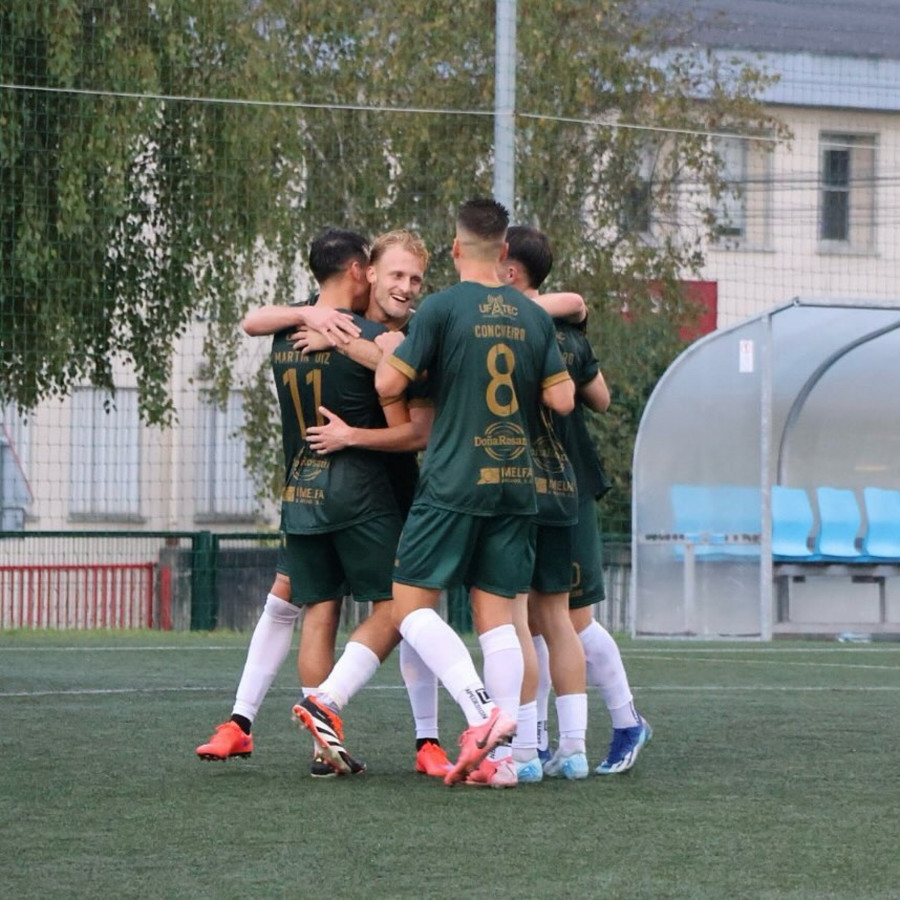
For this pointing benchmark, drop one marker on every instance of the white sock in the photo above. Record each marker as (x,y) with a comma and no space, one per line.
(504,667)
(543,691)
(422,688)
(606,672)
(525,743)
(503,671)
(269,648)
(571,710)
(624,716)
(443,651)
(350,673)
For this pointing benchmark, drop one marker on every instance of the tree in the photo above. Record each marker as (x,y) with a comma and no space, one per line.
(128,212)
(125,211)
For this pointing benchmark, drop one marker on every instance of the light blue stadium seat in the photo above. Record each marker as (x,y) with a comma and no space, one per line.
(721,521)
(792,523)
(839,524)
(692,511)
(882,538)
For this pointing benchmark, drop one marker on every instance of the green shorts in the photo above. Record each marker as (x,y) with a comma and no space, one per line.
(356,560)
(553,559)
(281,559)
(440,548)
(587,558)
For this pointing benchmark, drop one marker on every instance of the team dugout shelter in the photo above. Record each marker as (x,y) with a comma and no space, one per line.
(766,482)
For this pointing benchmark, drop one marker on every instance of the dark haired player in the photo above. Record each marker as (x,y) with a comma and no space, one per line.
(491,357)
(528,263)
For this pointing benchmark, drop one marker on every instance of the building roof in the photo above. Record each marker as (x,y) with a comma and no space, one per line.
(856,28)
(841,54)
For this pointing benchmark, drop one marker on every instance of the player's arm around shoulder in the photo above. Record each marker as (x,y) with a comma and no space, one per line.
(563,305)
(335,326)
(270,319)
(362,351)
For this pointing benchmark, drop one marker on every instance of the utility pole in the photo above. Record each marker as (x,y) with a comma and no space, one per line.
(505,105)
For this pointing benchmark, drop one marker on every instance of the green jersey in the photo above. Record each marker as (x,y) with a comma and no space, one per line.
(583,367)
(488,352)
(554,477)
(327,493)
(403,468)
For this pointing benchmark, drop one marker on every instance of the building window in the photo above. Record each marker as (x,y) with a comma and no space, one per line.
(847,196)
(743,210)
(637,205)
(225,488)
(105,465)
(15,491)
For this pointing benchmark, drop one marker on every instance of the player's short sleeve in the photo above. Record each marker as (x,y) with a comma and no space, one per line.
(417,351)
(419,392)
(585,365)
(554,368)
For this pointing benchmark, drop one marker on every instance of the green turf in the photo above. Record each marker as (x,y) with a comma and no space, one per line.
(773,773)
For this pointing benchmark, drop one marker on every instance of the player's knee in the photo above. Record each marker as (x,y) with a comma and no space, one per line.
(281,587)
(281,610)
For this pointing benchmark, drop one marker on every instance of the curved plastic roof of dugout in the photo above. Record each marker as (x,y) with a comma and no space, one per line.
(803,396)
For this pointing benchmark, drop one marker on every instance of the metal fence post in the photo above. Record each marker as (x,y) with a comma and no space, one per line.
(204,605)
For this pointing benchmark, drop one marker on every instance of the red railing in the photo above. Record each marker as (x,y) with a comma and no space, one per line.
(110,596)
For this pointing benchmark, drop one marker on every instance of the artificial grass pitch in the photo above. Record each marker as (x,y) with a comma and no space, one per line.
(772,773)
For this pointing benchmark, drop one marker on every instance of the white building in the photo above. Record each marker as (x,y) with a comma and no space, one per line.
(817,218)
(73,464)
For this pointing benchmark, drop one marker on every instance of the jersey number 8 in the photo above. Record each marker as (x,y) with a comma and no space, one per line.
(501,379)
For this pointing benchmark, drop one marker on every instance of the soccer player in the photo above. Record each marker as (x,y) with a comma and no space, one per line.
(548,600)
(369,645)
(527,265)
(499,770)
(319,498)
(557,505)
(491,356)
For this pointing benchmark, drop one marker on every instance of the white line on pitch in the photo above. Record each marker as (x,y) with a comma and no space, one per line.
(675,688)
(776,663)
(631,650)
(26,649)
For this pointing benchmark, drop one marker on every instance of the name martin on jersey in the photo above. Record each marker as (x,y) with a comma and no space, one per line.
(295,357)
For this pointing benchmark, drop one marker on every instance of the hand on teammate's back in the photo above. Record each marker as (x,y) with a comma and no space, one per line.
(308,340)
(335,434)
(335,326)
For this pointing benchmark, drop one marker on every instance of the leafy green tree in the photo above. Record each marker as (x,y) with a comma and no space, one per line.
(125,210)
(156,159)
